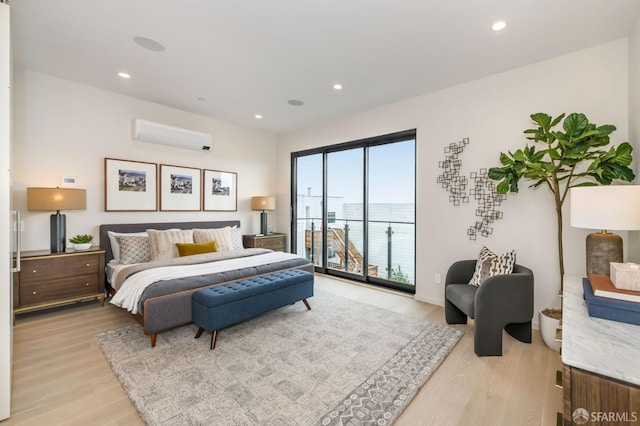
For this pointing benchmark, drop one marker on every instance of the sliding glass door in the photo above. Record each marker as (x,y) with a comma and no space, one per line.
(354,209)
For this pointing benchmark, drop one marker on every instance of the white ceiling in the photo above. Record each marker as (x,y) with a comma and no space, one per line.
(248,57)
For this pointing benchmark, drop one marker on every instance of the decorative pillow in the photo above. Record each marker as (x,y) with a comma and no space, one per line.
(236,238)
(188,249)
(115,246)
(490,264)
(134,249)
(163,243)
(222,236)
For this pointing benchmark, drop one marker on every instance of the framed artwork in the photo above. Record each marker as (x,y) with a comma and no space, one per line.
(130,186)
(180,188)
(220,191)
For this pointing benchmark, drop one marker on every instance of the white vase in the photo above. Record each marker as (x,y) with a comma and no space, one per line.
(548,328)
(84,246)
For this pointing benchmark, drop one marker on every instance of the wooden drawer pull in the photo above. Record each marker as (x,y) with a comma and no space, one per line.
(34,271)
(35,292)
(87,284)
(88,265)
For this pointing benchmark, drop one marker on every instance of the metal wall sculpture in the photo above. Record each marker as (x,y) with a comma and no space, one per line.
(483,190)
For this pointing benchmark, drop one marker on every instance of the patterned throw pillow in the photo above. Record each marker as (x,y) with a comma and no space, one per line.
(490,264)
(134,249)
(236,238)
(163,243)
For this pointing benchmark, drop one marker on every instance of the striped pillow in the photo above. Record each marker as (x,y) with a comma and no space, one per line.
(490,264)
(163,243)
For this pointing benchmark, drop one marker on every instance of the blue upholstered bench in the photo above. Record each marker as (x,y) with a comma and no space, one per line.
(217,307)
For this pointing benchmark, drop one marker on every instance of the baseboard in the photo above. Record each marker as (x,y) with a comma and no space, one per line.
(430,300)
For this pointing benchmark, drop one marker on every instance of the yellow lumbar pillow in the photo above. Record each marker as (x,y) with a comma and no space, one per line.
(188,249)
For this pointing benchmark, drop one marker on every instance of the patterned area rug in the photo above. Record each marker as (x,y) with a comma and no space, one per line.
(341,363)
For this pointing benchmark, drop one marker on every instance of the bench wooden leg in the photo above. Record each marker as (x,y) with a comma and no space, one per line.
(153,339)
(306,304)
(199,332)
(214,337)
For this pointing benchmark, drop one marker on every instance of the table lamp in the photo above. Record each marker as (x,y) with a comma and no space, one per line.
(263,203)
(50,199)
(606,207)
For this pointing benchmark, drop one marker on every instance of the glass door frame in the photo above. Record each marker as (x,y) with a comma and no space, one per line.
(324,151)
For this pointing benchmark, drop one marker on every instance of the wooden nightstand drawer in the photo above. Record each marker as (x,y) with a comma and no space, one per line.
(275,242)
(46,291)
(51,279)
(62,267)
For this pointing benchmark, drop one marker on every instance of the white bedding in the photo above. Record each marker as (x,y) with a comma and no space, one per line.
(128,296)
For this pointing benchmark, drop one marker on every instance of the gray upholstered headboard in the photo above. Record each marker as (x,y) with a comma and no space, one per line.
(105,243)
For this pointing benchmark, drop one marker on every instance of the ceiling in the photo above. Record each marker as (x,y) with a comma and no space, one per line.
(233,59)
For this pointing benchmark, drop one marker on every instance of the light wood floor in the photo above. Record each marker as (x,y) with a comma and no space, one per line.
(61,378)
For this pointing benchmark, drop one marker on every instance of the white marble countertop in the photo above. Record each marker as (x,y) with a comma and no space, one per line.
(601,346)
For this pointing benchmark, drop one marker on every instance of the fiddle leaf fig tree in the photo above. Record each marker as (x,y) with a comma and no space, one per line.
(560,159)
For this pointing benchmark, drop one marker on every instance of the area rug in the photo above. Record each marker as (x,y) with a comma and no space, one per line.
(341,363)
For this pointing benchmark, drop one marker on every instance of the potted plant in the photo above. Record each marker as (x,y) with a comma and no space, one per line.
(572,156)
(81,241)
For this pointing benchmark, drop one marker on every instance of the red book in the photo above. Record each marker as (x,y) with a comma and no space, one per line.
(603,287)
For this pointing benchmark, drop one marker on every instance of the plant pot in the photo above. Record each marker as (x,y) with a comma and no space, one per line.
(83,246)
(548,326)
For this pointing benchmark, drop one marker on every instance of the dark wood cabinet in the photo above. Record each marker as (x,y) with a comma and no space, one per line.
(275,241)
(52,279)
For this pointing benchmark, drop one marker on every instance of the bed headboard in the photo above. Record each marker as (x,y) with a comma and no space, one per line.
(105,243)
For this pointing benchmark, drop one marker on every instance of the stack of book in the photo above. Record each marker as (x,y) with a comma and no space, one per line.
(606,301)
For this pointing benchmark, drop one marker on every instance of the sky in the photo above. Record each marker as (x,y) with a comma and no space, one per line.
(391,173)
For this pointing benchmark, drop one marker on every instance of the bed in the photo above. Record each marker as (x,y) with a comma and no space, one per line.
(163,287)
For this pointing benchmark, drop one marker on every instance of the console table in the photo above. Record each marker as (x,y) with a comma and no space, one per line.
(601,368)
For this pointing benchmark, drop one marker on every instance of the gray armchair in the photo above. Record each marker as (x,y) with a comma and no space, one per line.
(501,302)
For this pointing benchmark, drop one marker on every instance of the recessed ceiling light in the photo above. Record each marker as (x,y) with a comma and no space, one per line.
(148,44)
(499,26)
(258,116)
(295,102)
(337,86)
(124,75)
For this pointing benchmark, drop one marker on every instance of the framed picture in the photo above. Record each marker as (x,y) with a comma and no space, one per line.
(220,191)
(180,188)
(130,186)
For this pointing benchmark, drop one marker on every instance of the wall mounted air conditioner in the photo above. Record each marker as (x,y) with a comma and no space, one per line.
(148,131)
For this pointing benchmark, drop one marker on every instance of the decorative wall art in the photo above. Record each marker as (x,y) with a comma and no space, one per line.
(130,185)
(220,191)
(483,190)
(451,179)
(180,188)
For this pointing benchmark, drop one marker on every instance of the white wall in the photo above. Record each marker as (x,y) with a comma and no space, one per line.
(5,215)
(492,112)
(634,121)
(66,129)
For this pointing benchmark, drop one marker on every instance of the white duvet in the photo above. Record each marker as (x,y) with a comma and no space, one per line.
(128,296)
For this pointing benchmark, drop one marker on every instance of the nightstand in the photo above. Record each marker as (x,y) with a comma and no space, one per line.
(51,279)
(275,241)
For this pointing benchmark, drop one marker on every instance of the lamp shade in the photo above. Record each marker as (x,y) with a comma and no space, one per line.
(610,207)
(263,203)
(55,199)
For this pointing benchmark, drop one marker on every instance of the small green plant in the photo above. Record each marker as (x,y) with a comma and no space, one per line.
(81,239)
(399,276)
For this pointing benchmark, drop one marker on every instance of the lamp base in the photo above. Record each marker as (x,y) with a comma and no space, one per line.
(603,248)
(58,233)
(263,223)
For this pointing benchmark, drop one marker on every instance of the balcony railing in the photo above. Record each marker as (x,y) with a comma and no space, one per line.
(391,247)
